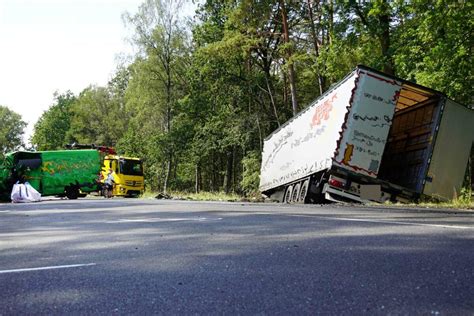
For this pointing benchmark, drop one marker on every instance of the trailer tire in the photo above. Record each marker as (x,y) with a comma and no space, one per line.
(295,195)
(72,193)
(303,192)
(288,193)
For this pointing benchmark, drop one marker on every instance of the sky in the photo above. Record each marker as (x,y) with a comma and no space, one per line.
(58,45)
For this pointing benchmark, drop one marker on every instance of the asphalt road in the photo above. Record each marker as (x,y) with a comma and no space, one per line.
(126,256)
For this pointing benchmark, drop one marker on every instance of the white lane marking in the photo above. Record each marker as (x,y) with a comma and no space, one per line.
(386,222)
(157,219)
(6,211)
(48,268)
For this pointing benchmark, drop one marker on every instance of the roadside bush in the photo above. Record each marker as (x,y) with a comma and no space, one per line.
(251,173)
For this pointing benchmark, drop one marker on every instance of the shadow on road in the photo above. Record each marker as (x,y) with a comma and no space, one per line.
(192,261)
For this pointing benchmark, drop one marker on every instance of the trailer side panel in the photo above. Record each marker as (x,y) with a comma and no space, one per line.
(69,167)
(306,144)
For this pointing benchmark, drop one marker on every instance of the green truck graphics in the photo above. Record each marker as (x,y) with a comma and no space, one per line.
(61,173)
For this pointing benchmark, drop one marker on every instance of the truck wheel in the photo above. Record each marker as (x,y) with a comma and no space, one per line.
(287,196)
(296,193)
(72,193)
(303,192)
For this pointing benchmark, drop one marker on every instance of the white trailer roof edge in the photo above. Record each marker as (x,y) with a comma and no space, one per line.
(308,107)
(339,83)
(403,81)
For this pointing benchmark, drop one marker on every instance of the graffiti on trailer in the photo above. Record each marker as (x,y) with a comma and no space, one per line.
(58,167)
(277,147)
(379,98)
(299,172)
(322,112)
(296,173)
(386,120)
(374,166)
(348,154)
(367,151)
(322,164)
(363,140)
(286,166)
(359,134)
(307,137)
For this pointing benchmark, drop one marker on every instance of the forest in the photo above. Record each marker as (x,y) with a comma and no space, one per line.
(202,93)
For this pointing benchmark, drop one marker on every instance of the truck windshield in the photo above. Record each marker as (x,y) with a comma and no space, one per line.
(131,167)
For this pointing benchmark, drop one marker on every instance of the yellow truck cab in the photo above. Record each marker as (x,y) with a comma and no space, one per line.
(128,175)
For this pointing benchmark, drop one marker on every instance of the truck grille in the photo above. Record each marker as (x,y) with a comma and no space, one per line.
(134,183)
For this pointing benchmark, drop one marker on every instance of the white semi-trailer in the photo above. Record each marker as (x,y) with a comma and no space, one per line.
(370,137)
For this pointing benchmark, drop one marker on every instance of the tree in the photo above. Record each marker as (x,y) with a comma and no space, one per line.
(11,130)
(251,173)
(98,115)
(376,16)
(315,38)
(291,69)
(199,110)
(97,118)
(161,38)
(220,97)
(434,47)
(52,127)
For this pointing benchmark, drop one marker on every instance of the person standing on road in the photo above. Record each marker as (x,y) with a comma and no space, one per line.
(109,183)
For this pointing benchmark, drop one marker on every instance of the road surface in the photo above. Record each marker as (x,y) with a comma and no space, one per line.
(138,256)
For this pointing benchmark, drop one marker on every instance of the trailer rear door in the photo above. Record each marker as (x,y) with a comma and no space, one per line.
(451,151)
(364,133)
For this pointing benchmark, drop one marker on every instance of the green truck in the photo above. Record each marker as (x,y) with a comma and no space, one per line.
(67,173)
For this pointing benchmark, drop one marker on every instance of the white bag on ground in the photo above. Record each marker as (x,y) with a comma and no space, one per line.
(17,192)
(34,195)
(24,193)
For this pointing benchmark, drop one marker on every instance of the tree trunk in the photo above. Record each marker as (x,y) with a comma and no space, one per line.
(260,136)
(197,184)
(331,23)
(272,100)
(214,175)
(384,37)
(291,69)
(285,90)
(383,34)
(234,168)
(229,170)
(167,174)
(315,44)
(168,119)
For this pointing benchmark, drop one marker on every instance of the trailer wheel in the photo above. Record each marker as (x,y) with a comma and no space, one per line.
(295,196)
(287,196)
(303,192)
(72,193)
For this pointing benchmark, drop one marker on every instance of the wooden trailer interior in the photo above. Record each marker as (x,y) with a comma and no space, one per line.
(409,142)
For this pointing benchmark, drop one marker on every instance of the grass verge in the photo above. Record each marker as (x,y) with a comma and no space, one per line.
(201,196)
(455,204)
(460,203)
(464,202)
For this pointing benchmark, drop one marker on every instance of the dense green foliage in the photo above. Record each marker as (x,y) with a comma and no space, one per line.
(199,98)
(11,130)
(53,125)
